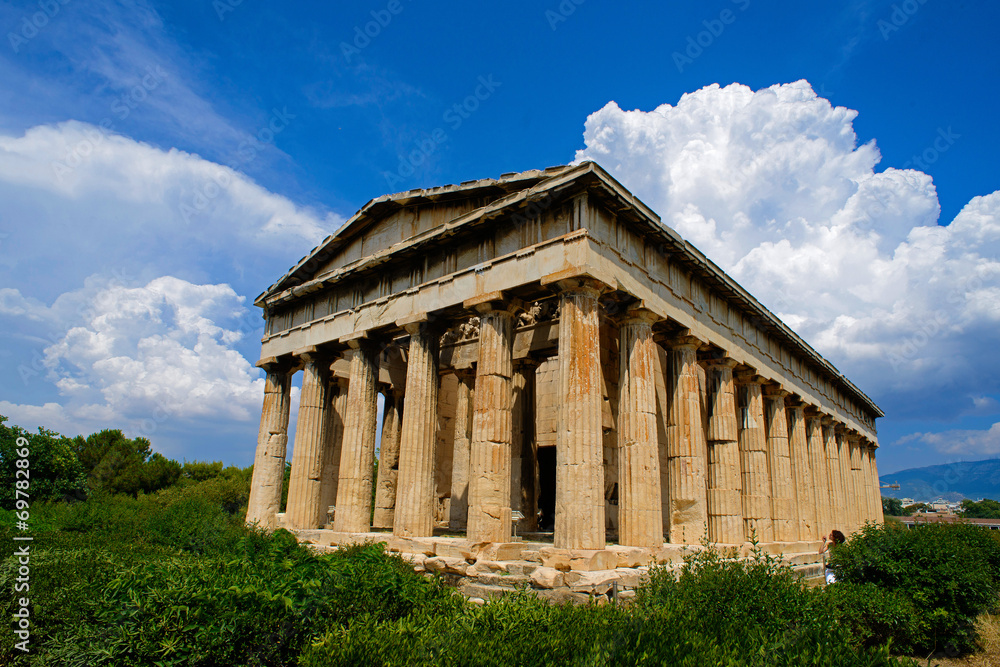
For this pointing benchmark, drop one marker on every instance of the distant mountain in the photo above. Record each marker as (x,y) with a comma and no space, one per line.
(951,481)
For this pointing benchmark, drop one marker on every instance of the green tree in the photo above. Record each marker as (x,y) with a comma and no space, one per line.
(53,468)
(984,509)
(117,464)
(892,506)
(910,510)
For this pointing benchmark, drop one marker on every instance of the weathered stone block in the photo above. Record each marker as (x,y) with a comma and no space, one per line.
(447,564)
(632,556)
(587,560)
(546,577)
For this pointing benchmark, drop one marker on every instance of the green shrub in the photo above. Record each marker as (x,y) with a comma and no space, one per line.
(948,573)
(876,617)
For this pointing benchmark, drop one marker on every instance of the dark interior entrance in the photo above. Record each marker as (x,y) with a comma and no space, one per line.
(546,488)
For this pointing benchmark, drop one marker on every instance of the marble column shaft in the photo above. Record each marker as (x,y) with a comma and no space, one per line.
(686,447)
(272,446)
(640,512)
(725,507)
(754,466)
(877,515)
(311,429)
(334,445)
(817,464)
(388,460)
(834,476)
(868,482)
(784,518)
(357,459)
(579,521)
(805,504)
(857,484)
(492,425)
(416,497)
(459,508)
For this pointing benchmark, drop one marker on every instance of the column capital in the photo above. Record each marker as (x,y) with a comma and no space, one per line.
(275,364)
(828,421)
(584,284)
(362,343)
(639,314)
(719,363)
(775,391)
(494,302)
(312,353)
(812,412)
(685,340)
(418,324)
(749,376)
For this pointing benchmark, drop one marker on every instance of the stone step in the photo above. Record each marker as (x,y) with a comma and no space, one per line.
(503,580)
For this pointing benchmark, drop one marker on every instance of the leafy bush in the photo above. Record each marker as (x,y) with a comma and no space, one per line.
(176,580)
(718,611)
(54,468)
(949,574)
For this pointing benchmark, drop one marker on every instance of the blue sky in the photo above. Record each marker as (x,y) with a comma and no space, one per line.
(162,163)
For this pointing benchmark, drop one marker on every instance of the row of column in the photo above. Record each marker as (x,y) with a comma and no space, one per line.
(746,461)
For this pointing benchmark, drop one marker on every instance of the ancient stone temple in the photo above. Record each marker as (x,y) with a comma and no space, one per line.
(554,363)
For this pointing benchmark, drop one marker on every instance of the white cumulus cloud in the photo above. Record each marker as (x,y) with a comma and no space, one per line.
(774,187)
(144,355)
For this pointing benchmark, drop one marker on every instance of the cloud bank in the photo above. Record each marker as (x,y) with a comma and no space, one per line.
(773,186)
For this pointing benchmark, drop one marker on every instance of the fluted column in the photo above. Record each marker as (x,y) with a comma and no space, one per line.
(492,423)
(640,512)
(817,464)
(805,505)
(687,454)
(857,483)
(834,475)
(388,459)
(415,496)
(847,478)
(272,445)
(784,518)
(725,508)
(334,445)
(306,480)
(877,515)
(756,478)
(524,494)
(459,508)
(868,482)
(354,492)
(580,445)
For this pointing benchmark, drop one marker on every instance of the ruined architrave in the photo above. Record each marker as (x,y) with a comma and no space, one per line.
(545,345)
